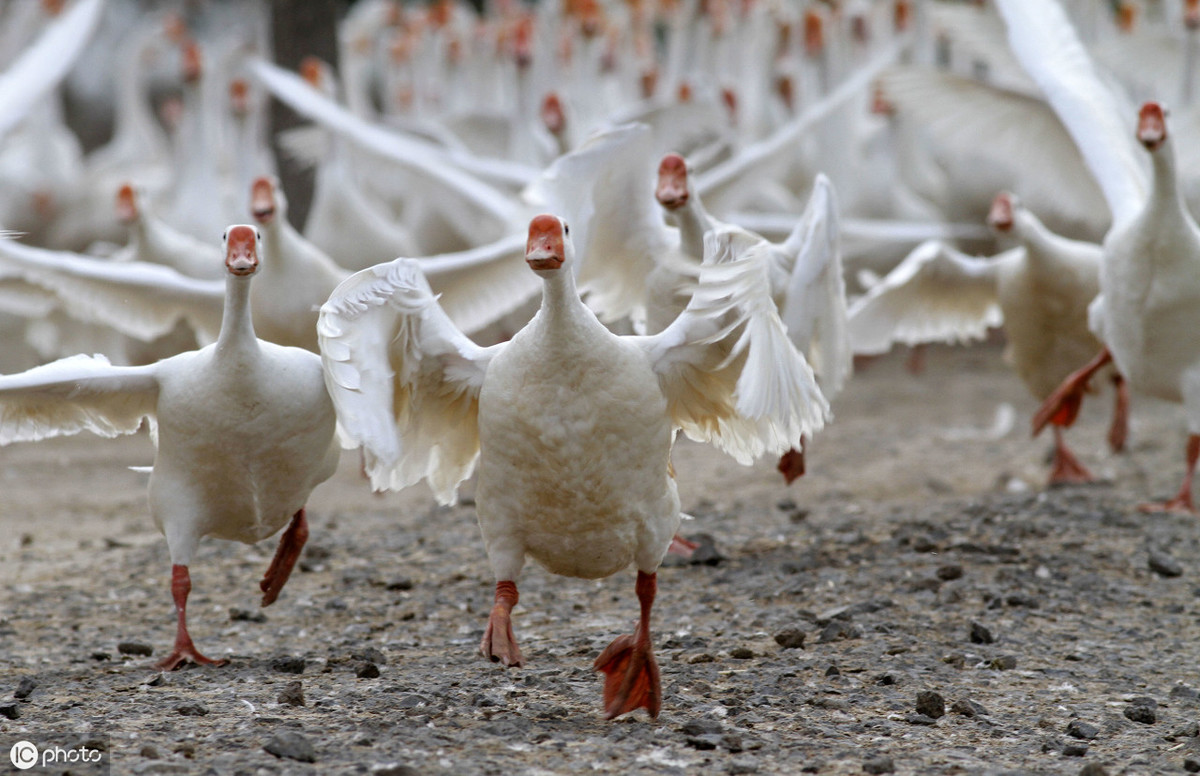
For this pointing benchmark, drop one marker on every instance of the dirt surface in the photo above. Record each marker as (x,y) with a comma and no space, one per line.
(1057,629)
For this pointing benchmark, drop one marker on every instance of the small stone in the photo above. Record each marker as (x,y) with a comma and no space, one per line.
(701,727)
(885,680)
(245,615)
(1074,750)
(742,765)
(403,583)
(790,638)
(968,708)
(100,655)
(135,648)
(838,630)
(1181,692)
(701,657)
(950,572)
(1143,710)
(25,687)
(1003,663)
(1093,769)
(292,694)
(920,719)
(1191,764)
(149,752)
(9,710)
(291,745)
(882,764)
(192,710)
(833,671)
(1086,731)
(732,743)
(980,634)
(704,742)
(395,769)
(367,671)
(370,655)
(288,664)
(1163,564)
(186,748)
(931,704)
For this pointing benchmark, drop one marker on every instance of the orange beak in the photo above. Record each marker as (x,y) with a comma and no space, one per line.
(1152,126)
(672,191)
(545,249)
(262,200)
(1000,217)
(241,250)
(552,114)
(127,211)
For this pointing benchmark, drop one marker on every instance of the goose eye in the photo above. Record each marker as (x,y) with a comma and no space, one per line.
(258,235)
(225,235)
(566,229)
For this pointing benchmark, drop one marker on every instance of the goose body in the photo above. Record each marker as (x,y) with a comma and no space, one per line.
(244,431)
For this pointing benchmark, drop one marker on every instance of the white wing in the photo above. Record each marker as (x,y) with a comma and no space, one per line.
(404,380)
(44,64)
(477,287)
(1045,43)
(138,299)
(427,159)
(936,294)
(604,191)
(814,298)
(80,393)
(726,366)
(777,226)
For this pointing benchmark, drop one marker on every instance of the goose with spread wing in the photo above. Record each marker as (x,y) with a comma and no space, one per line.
(570,424)
(244,431)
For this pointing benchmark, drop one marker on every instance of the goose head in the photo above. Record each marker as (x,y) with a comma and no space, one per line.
(1000,217)
(241,250)
(266,200)
(673,191)
(547,247)
(239,97)
(1152,126)
(193,65)
(553,117)
(127,206)
(1191,14)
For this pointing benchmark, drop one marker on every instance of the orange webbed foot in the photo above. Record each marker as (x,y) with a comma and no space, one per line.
(187,654)
(791,465)
(499,644)
(631,678)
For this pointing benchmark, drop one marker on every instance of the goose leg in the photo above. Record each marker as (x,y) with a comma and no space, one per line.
(1066,468)
(1183,500)
(1119,429)
(185,651)
(499,644)
(631,678)
(291,543)
(791,463)
(1062,407)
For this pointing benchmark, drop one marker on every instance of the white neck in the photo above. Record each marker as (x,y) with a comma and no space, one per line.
(237,327)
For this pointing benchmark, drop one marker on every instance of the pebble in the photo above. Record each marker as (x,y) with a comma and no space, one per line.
(1077,728)
(790,638)
(192,709)
(395,769)
(1163,564)
(293,746)
(370,655)
(931,704)
(149,752)
(1181,692)
(292,694)
(1191,764)
(703,743)
(950,572)
(1074,750)
(838,630)
(245,615)
(702,727)
(1003,663)
(403,583)
(1093,769)
(100,655)
(288,664)
(25,687)
(881,764)
(9,710)
(920,719)
(1143,710)
(968,708)
(742,765)
(135,648)
(980,634)
(367,671)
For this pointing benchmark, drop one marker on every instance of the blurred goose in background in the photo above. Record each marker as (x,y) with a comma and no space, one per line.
(540,414)
(236,470)
(1149,305)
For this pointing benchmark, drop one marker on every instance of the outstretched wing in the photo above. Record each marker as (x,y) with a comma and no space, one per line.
(139,299)
(405,381)
(730,374)
(1046,45)
(80,393)
(937,294)
(814,300)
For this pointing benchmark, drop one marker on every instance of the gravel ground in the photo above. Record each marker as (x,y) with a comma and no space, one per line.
(917,604)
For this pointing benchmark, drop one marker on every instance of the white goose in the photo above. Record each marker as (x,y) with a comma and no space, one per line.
(572,425)
(244,431)
(1149,305)
(1039,291)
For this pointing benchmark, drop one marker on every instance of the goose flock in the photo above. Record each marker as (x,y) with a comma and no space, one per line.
(544,240)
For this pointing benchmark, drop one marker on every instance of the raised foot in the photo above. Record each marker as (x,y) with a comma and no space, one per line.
(291,544)
(791,465)
(631,679)
(681,546)
(181,655)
